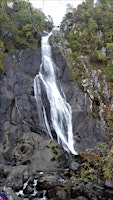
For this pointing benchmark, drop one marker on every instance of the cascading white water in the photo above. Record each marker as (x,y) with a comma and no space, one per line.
(39,195)
(60,110)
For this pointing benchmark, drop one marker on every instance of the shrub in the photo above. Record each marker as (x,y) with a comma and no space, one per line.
(98,56)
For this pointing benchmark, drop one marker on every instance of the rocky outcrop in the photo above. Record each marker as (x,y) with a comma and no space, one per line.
(18,107)
(23,182)
(87,129)
(21,142)
(24,147)
(26,153)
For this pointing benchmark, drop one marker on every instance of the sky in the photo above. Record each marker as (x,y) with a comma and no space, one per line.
(55,8)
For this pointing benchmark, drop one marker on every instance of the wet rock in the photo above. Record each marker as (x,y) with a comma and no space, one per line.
(57,193)
(81,198)
(76,191)
(108,184)
(11,194)
(4,172)
(74,165)
(48,181)
(15,177)
(108,193)
(28,190)
(88,190)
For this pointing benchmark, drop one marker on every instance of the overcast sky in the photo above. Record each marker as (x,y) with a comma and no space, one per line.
(55,8)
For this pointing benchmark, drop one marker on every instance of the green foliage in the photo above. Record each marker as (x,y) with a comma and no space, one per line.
(54,150)
(74,42)
(101,159)
(59,158)
(90,33)
(93,29)
(110,49)
(95,110)
(87,173)
(108,70)
(92,25)
(98,56)
(21,25)
(97,162)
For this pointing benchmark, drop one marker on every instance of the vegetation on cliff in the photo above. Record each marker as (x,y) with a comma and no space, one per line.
(21,26)
(88,31)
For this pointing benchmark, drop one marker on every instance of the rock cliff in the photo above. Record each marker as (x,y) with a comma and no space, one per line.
(18,107)
(21,133)
(87,129)
(24,146)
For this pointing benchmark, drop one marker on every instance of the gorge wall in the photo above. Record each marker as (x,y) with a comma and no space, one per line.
(88,131)
(21,141)
(18,109)
(23,137)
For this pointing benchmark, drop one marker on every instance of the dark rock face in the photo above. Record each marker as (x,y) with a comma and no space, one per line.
(17,100)
(20,126)
(17,95)
(87,130)
(24,151)
(19,113)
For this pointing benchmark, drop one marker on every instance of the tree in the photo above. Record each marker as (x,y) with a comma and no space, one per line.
(90,3)
(92,26)
(69,8)
(21,25)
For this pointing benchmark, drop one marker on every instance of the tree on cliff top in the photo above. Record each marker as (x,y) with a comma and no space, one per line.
(21,25)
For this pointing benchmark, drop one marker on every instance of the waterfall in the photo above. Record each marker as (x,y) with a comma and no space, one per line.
(60,110)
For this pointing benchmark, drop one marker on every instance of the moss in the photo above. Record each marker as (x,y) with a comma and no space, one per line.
(9,47)
(95,110)
(54,150)
(59,158)
(108,71)
(102,99)
(1,61)
(14,64)
(72,72)
(1,55)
